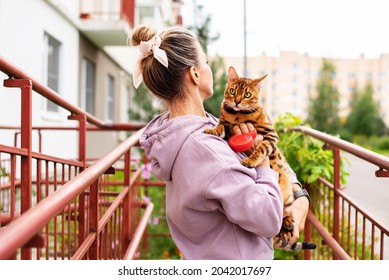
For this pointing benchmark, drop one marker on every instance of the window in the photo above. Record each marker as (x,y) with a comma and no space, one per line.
(88,86)
(52,70)
(110,98)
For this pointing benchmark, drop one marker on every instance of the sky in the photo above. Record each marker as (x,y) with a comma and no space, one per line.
(321,28)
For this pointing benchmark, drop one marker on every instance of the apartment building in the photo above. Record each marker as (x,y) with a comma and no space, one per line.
(71,46)
(292,79)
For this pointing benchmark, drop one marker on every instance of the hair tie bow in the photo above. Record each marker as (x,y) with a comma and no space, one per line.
(147,48)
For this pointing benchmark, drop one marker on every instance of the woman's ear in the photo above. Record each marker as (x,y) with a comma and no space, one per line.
(194,75)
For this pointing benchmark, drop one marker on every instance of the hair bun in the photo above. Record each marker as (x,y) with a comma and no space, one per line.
(141,33)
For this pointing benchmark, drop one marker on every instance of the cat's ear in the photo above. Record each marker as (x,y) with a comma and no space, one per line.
(259,81)
(232,75)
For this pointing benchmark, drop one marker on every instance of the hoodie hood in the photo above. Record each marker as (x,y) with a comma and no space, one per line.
(163,139)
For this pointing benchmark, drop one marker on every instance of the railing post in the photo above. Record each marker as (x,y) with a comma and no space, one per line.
(307,229)
(82,158)
(336,198)
(335,229)
(94,219)
(126,228)
(26,143)
(81,137)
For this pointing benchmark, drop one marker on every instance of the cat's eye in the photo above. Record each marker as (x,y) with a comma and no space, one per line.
(232,91)
(247,94)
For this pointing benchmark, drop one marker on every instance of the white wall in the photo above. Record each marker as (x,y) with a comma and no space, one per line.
(23,24)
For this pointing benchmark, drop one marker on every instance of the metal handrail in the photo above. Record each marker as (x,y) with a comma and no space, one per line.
(336,203)
(372,157)
(111,127)
(330,241)
(139,231)
(15,73)
(25,231)
(27,225)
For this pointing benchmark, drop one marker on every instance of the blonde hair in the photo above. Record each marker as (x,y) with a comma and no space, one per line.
(181,47)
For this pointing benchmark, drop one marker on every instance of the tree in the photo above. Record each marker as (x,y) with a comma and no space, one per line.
(202,29)
(364,117)
(324,109)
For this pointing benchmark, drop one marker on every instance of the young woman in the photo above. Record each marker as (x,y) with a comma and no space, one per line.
(216,208)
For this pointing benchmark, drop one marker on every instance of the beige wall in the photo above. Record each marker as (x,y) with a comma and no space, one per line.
(100,143)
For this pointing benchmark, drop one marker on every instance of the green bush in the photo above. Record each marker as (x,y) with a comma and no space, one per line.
(309,160)
(306,155)
(378,143)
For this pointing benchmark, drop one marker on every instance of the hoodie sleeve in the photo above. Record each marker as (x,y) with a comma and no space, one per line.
(253,204)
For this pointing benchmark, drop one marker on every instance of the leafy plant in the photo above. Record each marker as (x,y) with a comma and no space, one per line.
(305,154)
(307,157)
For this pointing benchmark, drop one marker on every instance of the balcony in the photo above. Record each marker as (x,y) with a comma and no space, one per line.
(107,22)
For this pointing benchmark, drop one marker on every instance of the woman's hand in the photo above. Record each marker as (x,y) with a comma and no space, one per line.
(299,211)
(246,128)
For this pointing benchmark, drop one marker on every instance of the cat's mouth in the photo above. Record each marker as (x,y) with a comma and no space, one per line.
(237,110)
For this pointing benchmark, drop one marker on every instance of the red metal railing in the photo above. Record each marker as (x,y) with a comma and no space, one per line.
(108,10)
(341,228)
(54,208)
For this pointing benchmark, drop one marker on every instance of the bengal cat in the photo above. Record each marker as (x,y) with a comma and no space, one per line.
(241,104)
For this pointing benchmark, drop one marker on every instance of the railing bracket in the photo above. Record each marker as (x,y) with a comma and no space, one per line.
(111,170)
(382,173)
(37,241)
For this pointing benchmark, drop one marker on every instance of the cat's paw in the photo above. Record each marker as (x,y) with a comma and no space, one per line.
(214,131)
(286,232)
(278,242)
(283,238)
(248,162)
(208,131)
(288,223)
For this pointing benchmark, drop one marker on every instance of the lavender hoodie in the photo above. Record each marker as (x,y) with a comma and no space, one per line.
(216,208)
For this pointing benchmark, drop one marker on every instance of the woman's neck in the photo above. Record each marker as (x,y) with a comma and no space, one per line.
(190,105)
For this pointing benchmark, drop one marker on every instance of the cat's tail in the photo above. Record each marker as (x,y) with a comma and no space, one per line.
(300,246)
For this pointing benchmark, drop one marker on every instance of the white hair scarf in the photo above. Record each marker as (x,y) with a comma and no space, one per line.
(147,48)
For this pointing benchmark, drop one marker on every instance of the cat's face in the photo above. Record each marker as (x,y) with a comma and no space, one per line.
(241,94)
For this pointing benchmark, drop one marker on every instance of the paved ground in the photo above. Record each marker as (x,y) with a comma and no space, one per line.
(370,192)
